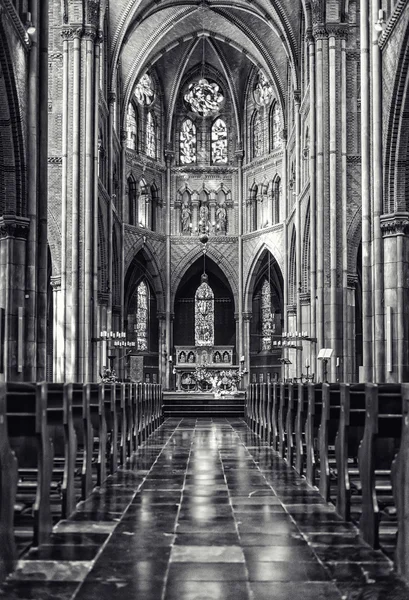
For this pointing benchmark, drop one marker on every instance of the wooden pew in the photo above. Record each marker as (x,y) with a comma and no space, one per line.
(130,447)
(311,430)
(141,413)
(30,440)
(263,411)
(349,436)
(275,404)
(290,419)
(62,433)
(300,421)
(282,414)
(111,419)
(379,446)
(330,418)
(95,397)
(8,492)
(119,391)
(85,435)
(400,486)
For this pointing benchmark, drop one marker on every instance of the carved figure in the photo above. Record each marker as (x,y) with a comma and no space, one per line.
(186,218)
(221,217)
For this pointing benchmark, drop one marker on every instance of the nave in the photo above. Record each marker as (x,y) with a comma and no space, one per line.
(205,510)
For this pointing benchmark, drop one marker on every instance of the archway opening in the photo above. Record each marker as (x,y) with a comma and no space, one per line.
(224,322)
(141,362)
(267,320)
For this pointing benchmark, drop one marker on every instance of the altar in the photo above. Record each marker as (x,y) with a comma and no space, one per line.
(196,367)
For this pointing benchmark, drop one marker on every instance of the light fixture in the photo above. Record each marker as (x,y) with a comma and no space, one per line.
(380,23)
(30,29)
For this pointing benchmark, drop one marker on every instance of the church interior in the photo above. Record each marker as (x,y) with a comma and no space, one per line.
(204,268)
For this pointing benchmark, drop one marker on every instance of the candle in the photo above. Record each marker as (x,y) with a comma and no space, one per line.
(307,364)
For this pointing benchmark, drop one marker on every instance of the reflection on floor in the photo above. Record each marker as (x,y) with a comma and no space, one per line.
(205,512)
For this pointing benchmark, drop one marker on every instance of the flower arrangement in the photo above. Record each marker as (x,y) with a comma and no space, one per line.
(109,376)
(218,382)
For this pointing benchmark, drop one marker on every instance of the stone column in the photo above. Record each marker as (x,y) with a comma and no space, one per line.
(75,373)
(58,341)
(97,365)
(320,35)
(377,176)
(367,370)
(395,229)
(240,341)
(61,329)
(299,232)
(162,347)
(312,158)
(285,233)
(169,155)
(246,321)
(88,251)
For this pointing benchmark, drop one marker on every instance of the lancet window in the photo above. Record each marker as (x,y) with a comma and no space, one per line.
(257,135)
(131,127)
(150,136)
(204,314)
(276,127)
(142,316)
(219,142)
(188,142)
(267,321)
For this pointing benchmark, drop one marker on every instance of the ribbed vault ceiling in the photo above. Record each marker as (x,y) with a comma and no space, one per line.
(239,35)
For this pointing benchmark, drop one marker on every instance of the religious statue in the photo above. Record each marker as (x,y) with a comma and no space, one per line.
(221,218)
(185,218)
(203,218)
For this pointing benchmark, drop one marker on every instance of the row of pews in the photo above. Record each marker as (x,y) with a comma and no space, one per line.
(351,441)
(57,442)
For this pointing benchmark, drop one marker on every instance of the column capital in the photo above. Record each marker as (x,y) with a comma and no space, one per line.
(320,32)
(66,33)
(111,97)
(338,30)
(14,227)
(297,96)
(55,282)
(89,33)
(169,155)
(396,223)
(123,136)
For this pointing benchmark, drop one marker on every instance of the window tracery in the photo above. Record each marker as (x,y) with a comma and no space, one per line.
(219,142)
(188,142)
(142,317)
(150,136)
(204,314)
(263,90)
(144,90)
(204,97)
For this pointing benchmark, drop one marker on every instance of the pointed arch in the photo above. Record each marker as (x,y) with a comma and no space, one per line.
(255,272)
(275,193)
(132,200)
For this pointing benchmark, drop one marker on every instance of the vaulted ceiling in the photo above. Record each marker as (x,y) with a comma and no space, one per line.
(239,36)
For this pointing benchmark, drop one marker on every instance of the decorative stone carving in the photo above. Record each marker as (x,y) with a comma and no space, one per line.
(14,227)
(396,223)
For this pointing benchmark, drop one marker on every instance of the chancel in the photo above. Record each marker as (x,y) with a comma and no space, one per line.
(204,287)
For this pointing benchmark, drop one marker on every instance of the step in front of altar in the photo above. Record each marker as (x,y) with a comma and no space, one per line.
(185,404)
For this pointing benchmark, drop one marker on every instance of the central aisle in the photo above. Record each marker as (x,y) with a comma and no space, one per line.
(205,512)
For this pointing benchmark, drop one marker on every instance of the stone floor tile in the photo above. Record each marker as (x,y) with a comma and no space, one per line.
(207,554)
(295,591)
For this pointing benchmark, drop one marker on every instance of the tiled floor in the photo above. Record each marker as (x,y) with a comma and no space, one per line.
(205,512)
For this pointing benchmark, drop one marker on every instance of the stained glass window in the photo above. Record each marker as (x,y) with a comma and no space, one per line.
(257,136)
(150,136)
(188,142)
(204,97)
(276,127)
(142,316)
(204,314)
(263,90)
(131,127)
(267,321)
(144,90)
(219,142)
